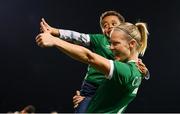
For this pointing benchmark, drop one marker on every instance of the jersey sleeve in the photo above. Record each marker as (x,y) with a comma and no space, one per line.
(121,73)
(126,74)
(96,39)
(75,37)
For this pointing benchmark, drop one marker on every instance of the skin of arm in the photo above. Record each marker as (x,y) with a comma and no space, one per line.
(45,27)
(74,51)
(67,35)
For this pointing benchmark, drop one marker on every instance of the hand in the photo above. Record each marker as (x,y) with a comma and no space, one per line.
(45,40)
(77,99)
(142,68)
(44,26)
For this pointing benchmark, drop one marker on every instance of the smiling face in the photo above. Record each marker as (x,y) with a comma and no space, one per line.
(108,23)
(120,45)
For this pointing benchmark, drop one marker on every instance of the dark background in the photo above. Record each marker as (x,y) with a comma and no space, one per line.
(48,79)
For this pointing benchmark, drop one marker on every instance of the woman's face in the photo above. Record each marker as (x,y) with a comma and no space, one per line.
(108,23)
(120,45)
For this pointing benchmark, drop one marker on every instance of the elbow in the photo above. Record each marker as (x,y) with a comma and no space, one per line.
(90,58)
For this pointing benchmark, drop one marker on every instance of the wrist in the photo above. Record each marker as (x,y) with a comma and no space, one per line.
(55,32)
(55,41)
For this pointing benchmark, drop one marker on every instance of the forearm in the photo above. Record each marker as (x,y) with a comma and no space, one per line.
(84,55)
(74,51)
(55,32)
(75,37)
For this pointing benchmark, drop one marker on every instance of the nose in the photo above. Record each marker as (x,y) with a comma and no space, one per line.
(111,26)
(110,29)
(111,47)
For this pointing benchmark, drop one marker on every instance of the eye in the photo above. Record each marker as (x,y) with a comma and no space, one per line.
(105,25)
(114,24)
(115,43)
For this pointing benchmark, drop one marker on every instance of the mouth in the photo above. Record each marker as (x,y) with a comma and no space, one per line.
(117,55)
(108,32)
(117,58)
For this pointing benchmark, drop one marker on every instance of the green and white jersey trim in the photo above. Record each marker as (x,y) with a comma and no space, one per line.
(75,37)
(121,110)
(135,91)
(111,69)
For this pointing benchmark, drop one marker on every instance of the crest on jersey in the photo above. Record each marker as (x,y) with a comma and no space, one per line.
(137,81)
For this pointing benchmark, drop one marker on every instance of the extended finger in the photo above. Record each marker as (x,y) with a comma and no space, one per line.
(75,99)
(75,106)
(38,38)
(78,101)
(41,30)
(43,27)
(44,22)
(77,92)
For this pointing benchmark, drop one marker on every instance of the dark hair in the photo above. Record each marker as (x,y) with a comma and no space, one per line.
(110,13)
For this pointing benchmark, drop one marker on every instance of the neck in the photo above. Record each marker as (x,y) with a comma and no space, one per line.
(134,56)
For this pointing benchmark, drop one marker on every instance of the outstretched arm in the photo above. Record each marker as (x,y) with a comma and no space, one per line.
(68,35)
(75,51)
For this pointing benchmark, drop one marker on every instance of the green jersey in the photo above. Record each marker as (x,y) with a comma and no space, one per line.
(114,94)
(99,44)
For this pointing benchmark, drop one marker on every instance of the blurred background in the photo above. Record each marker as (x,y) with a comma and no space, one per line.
(48,79)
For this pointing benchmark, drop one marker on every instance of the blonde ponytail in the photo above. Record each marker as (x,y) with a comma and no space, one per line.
(144,35)
(138,32)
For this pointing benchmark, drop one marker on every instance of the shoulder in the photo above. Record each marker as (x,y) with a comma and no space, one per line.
(97,36)
(121,67)
(125,72)
(96,39)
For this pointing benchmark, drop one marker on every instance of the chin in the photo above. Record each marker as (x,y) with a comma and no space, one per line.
(117,58)
(107,35)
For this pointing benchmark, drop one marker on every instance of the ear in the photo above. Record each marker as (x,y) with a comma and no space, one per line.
(132,43)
